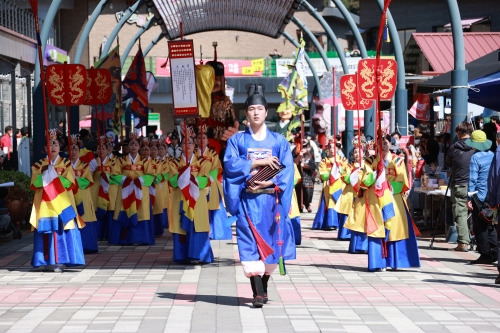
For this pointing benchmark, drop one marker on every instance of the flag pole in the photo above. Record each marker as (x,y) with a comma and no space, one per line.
(360,158)
(378,131)
(34,8)
(334,114)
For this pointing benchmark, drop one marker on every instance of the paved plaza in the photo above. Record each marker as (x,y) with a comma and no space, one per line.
(140,289)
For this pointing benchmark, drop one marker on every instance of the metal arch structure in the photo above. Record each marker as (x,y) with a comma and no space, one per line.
(312,11)
(401,96)
(459,75)
(38,117)
(308,60)
(304,28)
(349,121)
(355,31)
(86,31)
(185,17)
(459,80)
(153,43)
(368,114)
(118,27)
(137,35)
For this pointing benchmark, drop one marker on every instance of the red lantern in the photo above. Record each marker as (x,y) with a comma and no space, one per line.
(98,86)
(66,84)
(367,76)
(349,95)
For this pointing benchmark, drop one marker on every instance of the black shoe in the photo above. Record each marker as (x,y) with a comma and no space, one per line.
(265,298)
(497,280)
(258,301)
(258,291)
(482,260)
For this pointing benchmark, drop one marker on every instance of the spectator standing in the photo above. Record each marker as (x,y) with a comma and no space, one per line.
(496,121)
(24,152)
(458,158)
(307,167)
(485,233)
(447,124)
(62,128)
(493,196)
(6,141)
(175,149)
(2,158)
(491,131)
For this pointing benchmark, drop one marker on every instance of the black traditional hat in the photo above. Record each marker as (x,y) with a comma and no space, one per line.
(174,135)
(217,66)
(255,95)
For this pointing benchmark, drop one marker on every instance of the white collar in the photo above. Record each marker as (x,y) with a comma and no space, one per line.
(133,159)
(260,136)
(55,161)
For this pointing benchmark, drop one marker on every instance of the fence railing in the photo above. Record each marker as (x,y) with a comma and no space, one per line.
(21,20)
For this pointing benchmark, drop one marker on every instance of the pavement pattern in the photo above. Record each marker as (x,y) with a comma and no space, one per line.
(141,289)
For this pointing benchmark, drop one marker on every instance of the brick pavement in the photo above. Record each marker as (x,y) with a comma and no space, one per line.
(140,289)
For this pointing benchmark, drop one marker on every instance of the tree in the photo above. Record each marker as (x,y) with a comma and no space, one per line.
(352,6)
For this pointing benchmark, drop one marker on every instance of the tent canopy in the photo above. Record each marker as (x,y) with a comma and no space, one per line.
(484,78)
(484,66)
(487,96)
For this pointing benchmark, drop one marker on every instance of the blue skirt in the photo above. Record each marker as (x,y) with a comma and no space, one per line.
(262,209)
(196,245)
(159,222)
(140,233)
(325,219)
(358,242)
(343,233)
(89,237)
(104,220)
(68,244)
(400,254)
(220,224)
(296,230)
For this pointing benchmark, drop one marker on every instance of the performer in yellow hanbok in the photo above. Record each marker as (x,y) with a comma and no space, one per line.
(104,191)
(367,217)
(83,198)
(57,240)
(188,215)
(294,213)
(358,241)
(330,170)
(132,217)
(157,193)
(220,223)
(399,249)
(163,184)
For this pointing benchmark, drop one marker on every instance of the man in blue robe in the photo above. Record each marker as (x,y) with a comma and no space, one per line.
(264,230)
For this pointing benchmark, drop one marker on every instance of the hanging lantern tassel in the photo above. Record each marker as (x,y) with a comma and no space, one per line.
(280,239)
(387,37)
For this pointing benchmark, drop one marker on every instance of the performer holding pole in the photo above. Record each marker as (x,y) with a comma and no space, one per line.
(264,231)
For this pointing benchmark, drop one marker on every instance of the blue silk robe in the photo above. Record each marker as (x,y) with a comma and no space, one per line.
(261,207)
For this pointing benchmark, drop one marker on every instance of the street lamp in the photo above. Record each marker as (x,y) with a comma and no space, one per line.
(447,108)
(436,106)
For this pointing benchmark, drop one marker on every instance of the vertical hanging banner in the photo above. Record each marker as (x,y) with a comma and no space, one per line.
(66,84)
(367,75)
(349,95)
(111,113)
(183,78)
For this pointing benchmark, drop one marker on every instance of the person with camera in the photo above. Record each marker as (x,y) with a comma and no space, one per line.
(479,167)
